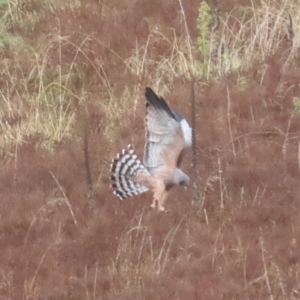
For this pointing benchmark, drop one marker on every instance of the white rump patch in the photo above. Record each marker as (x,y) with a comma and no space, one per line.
(187,132)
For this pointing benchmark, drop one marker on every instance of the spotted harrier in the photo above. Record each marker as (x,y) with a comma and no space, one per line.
(168,136)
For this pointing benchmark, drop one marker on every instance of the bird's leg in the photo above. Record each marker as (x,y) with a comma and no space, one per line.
(162,201)
(153,203)
(159,190)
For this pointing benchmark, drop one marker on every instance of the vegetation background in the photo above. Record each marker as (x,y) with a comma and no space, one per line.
(73,67)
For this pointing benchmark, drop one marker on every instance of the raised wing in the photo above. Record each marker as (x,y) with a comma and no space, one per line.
(167,134)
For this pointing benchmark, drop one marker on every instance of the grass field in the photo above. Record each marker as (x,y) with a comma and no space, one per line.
(73,67)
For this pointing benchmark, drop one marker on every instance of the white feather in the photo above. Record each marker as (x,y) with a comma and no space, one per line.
(187,132)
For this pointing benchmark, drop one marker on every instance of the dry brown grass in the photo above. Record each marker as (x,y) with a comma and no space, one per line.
(233,235)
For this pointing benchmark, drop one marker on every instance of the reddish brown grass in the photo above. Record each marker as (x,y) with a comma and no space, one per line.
(233,235)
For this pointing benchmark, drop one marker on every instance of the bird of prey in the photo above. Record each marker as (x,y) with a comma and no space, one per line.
(168,136)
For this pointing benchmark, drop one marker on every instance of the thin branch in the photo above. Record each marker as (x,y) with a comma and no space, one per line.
(90,193)
(193,117)
(290,28)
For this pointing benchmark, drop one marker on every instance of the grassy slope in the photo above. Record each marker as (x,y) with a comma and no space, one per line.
(233,235)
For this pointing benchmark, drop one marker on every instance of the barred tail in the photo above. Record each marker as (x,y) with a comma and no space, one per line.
(125,170)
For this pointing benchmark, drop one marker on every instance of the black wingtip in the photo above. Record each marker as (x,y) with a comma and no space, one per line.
(158,102)
(149,90)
